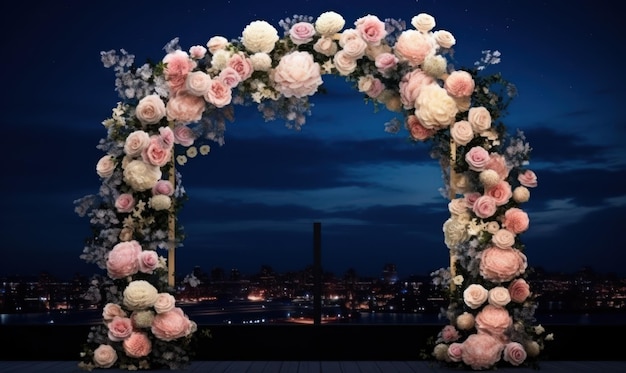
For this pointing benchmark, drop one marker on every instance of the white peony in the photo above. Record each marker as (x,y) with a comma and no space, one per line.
(259,36)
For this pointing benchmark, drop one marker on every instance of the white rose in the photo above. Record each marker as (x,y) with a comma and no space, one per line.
(259,36)
(499,296)
(198,83)
(434,107)
(475,295)
(423,22)
(480,118)
(140,295)
(344,63)
(140,175)
(444,38)
(164,302)
(329,23)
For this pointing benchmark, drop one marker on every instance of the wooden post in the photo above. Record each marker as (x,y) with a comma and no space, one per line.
(452,195)
(171,225)
(317,273)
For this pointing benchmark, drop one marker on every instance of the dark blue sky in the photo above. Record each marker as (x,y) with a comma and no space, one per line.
(253,200)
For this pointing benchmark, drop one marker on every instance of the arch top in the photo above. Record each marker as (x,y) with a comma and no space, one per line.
(172,110)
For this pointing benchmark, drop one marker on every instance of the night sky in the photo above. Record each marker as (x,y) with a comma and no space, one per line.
(254,200)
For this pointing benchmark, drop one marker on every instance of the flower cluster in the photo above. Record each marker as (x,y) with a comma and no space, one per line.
(172,109)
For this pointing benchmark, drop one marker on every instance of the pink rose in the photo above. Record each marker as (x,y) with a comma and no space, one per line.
(122,260)
(104,356)
(481,351)
(484,207)
(230,77)
(519,290)
(197,52)
(386,61)
(184,135)
(455,352)
(297,75)
(156,153)
(516,220)
(470,199)
(514,353)
(352,44)
(163,187)
(120,328)
(475,295)
(148,261)
(136,142)
(105,166)
(326,46)
(111,310)
(501,265)
(197,83)
(178,65)
(185,107)
(499,296)
(495,321)
(501,192)
(165,302)
(371,29)
(301,33)
(150,109)
(498,164)
(417,130)
(171,325)
(462,132)
(411,85)
(242,65)
(137,345)
(167,137)
(125,202)
(344,63)
(216,43)
(450,334)
(477,158)
(444,38)
(459,84)
(413,46)
(528,179)
(219,94)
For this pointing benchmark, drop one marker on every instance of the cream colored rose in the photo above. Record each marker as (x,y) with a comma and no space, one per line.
(503,238)
(444,38)
(326,46)
(259,36)
(261,61)
(457,206)
(499,296)
(492,227)
(344,64)
(105,166)
(139,295)
(454,232)
(434,107)
(141,175)
(104,356)
(160,202)
(521,194)
(329,23)
(423,22)
(136,142)
(480,118)
(462,132)
(164,302)
(150,109)
(465,321)
(475,295)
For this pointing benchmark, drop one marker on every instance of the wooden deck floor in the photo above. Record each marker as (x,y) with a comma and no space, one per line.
(321,367)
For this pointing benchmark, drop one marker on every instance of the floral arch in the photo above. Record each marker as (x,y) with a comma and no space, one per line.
(171,110)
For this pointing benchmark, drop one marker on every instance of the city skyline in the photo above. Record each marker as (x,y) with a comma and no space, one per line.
(253,200)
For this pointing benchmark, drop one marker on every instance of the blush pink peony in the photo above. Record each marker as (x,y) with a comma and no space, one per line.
(297,75)
(501,265)
(481,351)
